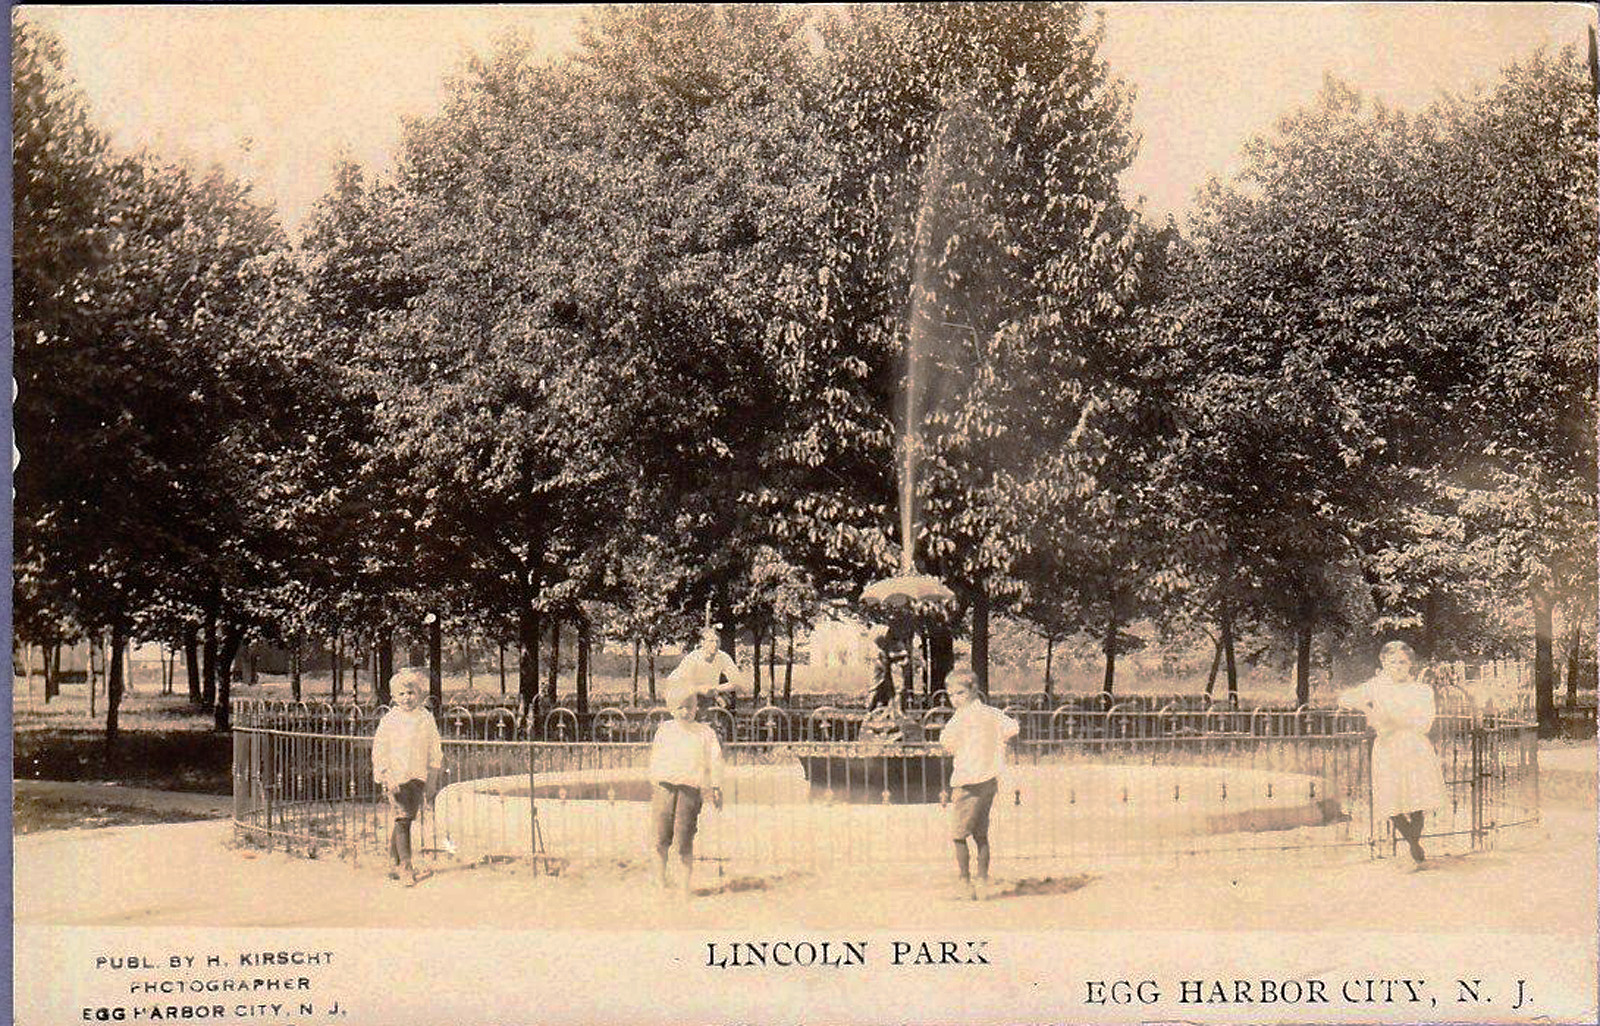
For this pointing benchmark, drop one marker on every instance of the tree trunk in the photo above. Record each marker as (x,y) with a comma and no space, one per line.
(980,639)
(435,662)
(1574,659)
(635,671)
(466,655)
(230,651)
(1430,615)
(27,669)
(1544,665)
(1216,664)
(502,646)
(584,640)
(114,685)
(94,647)
(528,628)
(385,667)
(755,662)
(772,662)
(650,657)
(191,665)
(908,671)
(338,665)
(1228,656)
(1108,685)
(52,671)
(941,656)
(1302,665)
(208,651)
(250,664)
(551,693)
(1049,658)
(294,669)
(788,668)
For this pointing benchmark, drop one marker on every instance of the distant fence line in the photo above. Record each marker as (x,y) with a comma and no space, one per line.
(1087,783)
(1042,716)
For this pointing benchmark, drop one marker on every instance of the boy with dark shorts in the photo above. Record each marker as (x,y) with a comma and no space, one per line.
(685,763)
(406,759)
(976,738)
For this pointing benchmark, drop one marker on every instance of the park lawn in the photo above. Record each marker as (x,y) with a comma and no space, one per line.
(164,743)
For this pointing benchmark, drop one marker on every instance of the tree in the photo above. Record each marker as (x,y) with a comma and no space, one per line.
(140,358)
(976,149)
(59,193)
(585,337)
(777,598)
(1375,336)
(1522,177)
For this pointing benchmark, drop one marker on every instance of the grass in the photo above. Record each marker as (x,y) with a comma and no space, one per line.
(164,742)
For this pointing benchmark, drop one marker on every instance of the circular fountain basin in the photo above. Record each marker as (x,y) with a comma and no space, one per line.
(774,815)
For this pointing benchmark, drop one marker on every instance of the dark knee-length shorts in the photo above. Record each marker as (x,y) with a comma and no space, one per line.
(408,797)
(969,809)
(675,815)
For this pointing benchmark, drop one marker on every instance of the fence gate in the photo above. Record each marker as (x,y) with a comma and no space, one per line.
(1490,765)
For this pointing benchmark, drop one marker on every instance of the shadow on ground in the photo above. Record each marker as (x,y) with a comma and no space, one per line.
(1029,886)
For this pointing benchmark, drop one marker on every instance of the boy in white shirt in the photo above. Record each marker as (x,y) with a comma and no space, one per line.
(406,758)
(702,668)
(976,738)
(685,762)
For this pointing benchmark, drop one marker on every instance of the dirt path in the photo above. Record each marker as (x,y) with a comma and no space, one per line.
(1540,881)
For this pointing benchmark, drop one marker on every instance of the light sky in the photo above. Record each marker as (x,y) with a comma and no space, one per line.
(277,94)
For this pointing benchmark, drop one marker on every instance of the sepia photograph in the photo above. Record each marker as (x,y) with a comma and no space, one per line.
(962,513)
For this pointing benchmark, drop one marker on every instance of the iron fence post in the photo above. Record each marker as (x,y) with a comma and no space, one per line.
(533,811)
(1479,739)
(266,783)
(239,745)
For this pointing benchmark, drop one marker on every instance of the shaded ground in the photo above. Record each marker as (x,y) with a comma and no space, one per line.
(164,743)
(60,805)
(170,760)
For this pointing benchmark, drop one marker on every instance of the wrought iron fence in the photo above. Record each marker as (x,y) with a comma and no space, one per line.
(1084,785)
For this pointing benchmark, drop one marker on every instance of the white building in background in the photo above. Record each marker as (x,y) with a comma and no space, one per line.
(839,643)
(843,655)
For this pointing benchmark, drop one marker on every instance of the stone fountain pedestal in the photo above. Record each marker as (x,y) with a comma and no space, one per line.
(873,774)
(890,764)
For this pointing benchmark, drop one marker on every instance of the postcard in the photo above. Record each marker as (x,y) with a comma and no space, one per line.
(962,513)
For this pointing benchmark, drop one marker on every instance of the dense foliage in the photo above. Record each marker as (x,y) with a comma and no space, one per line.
(653,332)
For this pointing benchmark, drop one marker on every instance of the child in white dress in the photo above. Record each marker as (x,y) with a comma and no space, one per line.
(1406,778)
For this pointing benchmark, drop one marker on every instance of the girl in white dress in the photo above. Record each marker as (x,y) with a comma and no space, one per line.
(1406,778)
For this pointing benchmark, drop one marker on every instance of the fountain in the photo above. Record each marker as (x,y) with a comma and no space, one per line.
(892,764)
